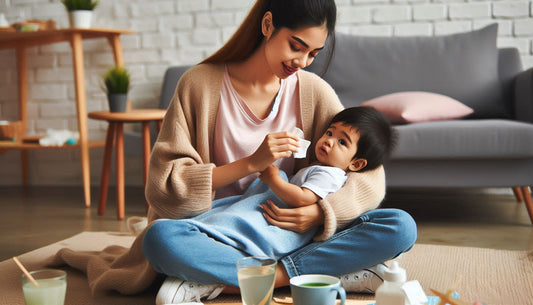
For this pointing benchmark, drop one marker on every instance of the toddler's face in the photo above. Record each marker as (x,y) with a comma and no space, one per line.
(337,146)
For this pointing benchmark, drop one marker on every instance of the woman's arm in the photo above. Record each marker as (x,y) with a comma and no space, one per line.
(361,193)
(274,146)
(298,220)
(180,174)
(179,178)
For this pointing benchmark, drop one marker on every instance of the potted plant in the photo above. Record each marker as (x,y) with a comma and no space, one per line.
(117,85)
(80,12)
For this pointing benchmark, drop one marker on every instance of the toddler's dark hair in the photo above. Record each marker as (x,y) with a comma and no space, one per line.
(377,137)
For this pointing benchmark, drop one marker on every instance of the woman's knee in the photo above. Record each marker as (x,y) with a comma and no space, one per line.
(152,238)
(402,225)
(159,239)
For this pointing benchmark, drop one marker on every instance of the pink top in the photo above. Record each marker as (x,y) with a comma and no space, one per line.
(239,132)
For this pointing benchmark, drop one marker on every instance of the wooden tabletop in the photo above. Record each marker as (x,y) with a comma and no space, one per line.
(28,39)
(134,115)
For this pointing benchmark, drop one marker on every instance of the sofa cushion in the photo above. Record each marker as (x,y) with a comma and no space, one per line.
(465,139)
(463,66)
(417,106)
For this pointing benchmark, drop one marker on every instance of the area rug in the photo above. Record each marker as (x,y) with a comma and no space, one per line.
(497,277)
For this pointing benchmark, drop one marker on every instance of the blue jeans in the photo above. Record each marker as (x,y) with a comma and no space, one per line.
(179,249)
(238,221)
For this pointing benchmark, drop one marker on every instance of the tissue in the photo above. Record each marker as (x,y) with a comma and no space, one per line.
(59,137)
(304,144)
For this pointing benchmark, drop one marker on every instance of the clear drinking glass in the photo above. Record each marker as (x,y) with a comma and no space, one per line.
(52,287)
(256,279)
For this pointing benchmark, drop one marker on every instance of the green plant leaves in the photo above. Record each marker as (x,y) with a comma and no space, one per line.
(82,5)
(117,80)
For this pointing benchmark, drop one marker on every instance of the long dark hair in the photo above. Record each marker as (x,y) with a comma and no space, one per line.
(290,14)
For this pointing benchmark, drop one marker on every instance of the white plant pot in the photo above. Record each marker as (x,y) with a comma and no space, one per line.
(80,19)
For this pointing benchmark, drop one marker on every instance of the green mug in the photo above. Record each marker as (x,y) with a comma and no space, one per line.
(316,289)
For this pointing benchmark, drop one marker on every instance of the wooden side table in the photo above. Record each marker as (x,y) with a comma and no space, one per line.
(115,133)
(21,41)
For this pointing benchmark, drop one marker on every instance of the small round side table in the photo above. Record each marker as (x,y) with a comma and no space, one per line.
(115,133)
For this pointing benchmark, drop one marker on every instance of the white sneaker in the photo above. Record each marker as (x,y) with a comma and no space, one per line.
(364,281)
(176,291)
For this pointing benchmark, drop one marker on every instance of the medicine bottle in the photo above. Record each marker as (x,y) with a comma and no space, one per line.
(391,292)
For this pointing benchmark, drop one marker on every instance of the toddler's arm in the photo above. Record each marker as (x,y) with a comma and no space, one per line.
(291,194)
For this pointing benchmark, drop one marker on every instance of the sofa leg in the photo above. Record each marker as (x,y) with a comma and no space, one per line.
(528,201)
(518,194)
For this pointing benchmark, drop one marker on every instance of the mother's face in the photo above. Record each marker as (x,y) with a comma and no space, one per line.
(288,50)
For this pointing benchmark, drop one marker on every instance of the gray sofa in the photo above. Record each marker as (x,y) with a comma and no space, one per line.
(493,147)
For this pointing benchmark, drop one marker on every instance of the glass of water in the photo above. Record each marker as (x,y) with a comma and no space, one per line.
(256,279)
(51,289)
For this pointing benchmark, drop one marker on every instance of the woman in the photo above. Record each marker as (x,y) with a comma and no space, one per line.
(263,61)
(228,120)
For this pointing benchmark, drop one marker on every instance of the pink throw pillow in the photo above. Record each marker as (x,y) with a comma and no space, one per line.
(417,106)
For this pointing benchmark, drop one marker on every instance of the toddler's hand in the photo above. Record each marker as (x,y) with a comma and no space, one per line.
(269,173)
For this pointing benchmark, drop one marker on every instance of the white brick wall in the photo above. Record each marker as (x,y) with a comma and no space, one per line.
(172,32)
(429,12)
(510,9)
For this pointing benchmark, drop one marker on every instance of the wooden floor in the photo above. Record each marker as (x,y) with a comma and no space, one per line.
(36,216)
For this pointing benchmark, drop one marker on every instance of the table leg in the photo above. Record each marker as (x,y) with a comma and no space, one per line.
(146,152)
(22,71)
(116,45)
(106,166)
(81,105)
(528,201)
(146,149)
(517,191)
(120,170)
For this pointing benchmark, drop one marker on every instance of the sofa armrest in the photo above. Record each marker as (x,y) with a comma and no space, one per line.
(523,96)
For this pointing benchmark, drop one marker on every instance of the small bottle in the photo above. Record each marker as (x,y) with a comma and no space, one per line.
(391,292)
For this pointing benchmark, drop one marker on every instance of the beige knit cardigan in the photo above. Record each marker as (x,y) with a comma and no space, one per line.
(179,179)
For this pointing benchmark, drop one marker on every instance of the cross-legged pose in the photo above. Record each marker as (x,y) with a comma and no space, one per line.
(226,124)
